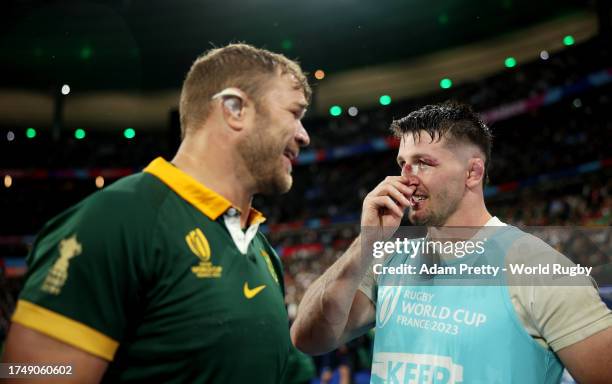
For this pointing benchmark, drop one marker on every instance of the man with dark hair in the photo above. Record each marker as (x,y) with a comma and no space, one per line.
(163,276)
(518,331)
(457,122)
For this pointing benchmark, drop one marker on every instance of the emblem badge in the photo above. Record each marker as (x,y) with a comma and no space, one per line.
(198,244)
(56,278)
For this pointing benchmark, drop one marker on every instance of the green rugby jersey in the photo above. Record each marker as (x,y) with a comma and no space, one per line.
(145,274)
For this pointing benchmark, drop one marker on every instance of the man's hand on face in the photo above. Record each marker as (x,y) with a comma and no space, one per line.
(384,206)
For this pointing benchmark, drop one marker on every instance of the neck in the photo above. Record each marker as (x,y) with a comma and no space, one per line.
(211,162)
(475,215)
(472,214)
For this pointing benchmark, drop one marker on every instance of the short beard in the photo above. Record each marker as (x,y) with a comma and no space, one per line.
(257,154)
(437,218)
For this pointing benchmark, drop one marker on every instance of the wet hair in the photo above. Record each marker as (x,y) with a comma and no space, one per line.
(456,122)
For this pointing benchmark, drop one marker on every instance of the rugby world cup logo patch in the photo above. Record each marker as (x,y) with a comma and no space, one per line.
(388,298)
(198,244)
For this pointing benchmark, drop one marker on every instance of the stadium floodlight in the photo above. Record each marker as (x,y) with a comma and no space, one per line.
(335,110)
(79,133)
(446,83)
(30,133)
(384,100)
(510,62)
(129,133)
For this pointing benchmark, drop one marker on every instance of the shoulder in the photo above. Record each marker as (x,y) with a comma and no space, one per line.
(526,247)
(139,192)
(130,204)
(133,198)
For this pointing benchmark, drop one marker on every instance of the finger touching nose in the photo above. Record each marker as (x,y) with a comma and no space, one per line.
(413,180)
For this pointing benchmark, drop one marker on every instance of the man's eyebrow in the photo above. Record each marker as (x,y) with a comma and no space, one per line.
(425,156)
(418,156)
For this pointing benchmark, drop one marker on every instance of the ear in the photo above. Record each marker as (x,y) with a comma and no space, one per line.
(232,102)
(233,106)
(475,172)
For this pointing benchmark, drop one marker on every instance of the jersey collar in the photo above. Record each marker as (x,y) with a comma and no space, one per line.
(204,199)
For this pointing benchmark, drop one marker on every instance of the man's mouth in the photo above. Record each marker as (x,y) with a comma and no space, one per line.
(290,154)
(417,198)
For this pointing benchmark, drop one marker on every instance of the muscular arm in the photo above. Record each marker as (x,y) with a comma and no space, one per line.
(590,360)
(569,314)
(25,345)
(333,311)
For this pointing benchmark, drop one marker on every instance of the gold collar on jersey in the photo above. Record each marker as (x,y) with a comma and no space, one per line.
(204,199)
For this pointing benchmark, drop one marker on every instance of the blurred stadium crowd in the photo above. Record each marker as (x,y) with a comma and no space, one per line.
(551,166)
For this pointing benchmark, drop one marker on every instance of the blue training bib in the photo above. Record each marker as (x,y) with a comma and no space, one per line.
(435,333)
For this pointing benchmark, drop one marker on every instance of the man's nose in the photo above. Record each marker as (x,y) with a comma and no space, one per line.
(410,172)
(301,136)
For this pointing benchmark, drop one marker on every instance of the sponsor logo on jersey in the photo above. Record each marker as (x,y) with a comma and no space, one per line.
(269,264)
(409,368)
(251,293)
(56,278)
(198,244)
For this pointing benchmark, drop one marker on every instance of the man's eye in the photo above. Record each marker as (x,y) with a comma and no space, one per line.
(299,114)
(423,165)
